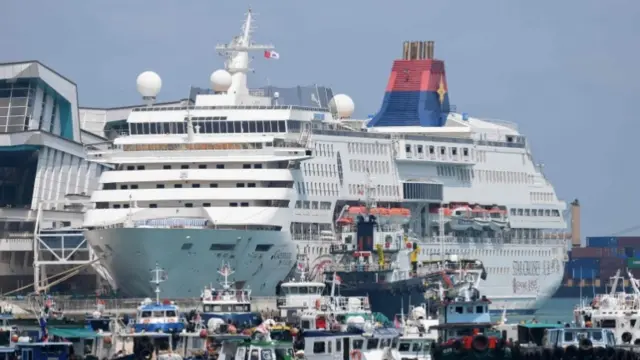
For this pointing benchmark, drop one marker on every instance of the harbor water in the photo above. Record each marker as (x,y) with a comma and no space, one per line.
(554,310)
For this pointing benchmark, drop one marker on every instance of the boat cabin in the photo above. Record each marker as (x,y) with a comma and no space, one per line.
(337,313)
(85,341)
(207,344)
(156,317)
(296,296)
(563,337)
(44,350)
(259,350)
(463,318)
(350,344)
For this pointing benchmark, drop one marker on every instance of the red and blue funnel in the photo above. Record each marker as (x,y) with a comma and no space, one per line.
(417,93)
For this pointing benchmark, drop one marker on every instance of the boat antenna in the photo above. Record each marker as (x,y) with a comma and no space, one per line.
(441,234)
(225,271)
(159,276)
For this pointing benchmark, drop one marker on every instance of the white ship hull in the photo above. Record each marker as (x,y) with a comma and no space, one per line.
(130,253)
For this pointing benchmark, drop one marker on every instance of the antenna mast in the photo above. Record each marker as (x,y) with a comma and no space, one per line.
(237,54)
(225,271)
(158,278)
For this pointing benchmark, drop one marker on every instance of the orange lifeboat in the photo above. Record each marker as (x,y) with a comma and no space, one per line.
(357,210)
(495,210)
(345,221)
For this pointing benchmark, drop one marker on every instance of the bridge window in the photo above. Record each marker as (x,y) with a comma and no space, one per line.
(357,344)
(319,347)
(372,343)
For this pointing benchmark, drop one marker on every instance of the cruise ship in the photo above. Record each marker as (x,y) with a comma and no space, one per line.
(248,178)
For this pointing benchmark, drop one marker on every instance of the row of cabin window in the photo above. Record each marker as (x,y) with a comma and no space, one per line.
(200,166)
(306,188)
(209,127)
(379,190)
(321,347)
(534,212)
(369,166)
(325,150)
(313,205)
(442,150)
(175,186)
(187,205)
(368,148)
(319,169)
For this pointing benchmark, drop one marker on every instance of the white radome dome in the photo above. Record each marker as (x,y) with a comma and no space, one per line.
(342,105)
(220,80)
(149,84)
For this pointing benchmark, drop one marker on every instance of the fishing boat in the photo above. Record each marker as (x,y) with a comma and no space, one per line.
(158,316)
(417,335)
(227,304)
(297,295)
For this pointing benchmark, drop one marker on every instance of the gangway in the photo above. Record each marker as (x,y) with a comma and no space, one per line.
(65,246)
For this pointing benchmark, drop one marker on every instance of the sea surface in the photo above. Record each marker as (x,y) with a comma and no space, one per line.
(553,311)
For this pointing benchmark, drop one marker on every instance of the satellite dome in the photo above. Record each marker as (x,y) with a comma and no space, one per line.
(220,80)
(149,84)
(342,105)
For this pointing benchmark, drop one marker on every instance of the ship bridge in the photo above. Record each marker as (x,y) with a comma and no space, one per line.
(42,162)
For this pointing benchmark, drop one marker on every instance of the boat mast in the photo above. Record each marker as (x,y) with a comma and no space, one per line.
(159,276)
(225,271)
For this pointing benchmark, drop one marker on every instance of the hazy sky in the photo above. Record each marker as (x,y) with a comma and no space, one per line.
(567,72)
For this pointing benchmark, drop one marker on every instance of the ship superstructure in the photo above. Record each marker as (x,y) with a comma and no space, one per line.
(249,179)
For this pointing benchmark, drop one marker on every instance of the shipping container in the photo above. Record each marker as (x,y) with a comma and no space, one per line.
(630,252)
(586,268)
(586,252)
(633,263)
(612,262)
(602,241)
(629,241)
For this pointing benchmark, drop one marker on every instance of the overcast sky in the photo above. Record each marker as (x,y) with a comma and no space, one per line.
(567,72)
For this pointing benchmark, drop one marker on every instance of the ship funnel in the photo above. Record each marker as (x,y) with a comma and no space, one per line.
(575,223)
(416,93)
(417,50)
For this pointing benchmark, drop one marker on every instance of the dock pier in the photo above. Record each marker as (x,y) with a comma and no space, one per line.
(81,307)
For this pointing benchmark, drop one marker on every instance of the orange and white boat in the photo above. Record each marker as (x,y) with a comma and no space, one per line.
(498,218)
(480,217)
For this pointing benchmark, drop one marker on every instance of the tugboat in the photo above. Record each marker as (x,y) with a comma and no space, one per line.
(230,306)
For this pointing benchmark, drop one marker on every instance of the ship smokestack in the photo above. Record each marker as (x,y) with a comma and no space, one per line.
(417,50)
(575,223)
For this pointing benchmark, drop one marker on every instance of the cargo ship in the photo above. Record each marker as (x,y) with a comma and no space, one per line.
(590,268)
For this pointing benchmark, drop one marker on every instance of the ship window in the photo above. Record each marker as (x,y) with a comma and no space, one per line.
(134,187)
(189,205)
(222,247)
(443,150)
(432,150)
(124,187)
(465,151)
(184,166)
(372,343)
(220,166)
(171,313)
(246,166)
(130,167)
(153,206)
(202,166)
(159,186)
(213,185)
(319,347)
(394,343)
(177,186)
(305,324)
(166,167)
(257,166)
(454,151)
(126,206)
(116,206)
(195,185)
(407,148)
(357,344)
(251,185)
(479,309)
(244,204)
(404,347)
(233,204)
(240,185)
(186,246)
(263,247)
(419,149)
(417,347)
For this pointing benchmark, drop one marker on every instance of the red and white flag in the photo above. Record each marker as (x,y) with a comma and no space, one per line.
(270,54)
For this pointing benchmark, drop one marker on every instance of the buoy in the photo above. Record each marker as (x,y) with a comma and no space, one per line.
(356,355)
(203,334)
(15,338)
(107,340)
